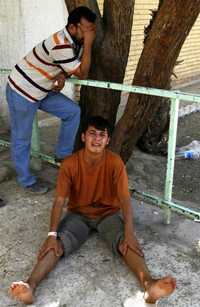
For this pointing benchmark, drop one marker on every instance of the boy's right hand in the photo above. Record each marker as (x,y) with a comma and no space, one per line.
(51,243)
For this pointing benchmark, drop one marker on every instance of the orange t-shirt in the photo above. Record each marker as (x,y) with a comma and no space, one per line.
(93,191)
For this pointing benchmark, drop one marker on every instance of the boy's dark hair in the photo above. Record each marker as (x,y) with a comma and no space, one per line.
(81,12)
(99,123)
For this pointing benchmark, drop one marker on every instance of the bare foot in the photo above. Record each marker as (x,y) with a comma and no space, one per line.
(159,288)
(22,291)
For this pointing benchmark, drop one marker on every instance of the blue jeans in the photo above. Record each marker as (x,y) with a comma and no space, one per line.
(22,113)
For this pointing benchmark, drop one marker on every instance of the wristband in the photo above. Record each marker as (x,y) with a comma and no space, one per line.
(52,233)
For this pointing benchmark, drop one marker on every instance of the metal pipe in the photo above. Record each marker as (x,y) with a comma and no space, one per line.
(130,88)
(175,96)
(34,153)
(162,203)
(171,156)
(137,89)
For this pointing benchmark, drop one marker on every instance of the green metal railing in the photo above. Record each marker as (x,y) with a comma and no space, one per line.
(175,96)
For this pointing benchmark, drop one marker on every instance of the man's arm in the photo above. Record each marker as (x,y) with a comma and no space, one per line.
(51,241)
(82,71)
(130,240)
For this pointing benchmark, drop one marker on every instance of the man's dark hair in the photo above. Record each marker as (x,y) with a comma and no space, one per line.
(99,123)
(81,12)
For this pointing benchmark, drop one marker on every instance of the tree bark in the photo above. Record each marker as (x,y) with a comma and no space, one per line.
(170,28)
(155,138)
(110,56)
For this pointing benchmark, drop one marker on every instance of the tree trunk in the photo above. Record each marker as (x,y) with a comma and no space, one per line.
(170,28)
(155,138)
(110,56)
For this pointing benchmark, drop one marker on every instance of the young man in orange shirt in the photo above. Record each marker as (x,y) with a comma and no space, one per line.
(95,183)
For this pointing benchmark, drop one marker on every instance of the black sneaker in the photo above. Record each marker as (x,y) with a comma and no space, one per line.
(37,188)
(59,160)
(2,203)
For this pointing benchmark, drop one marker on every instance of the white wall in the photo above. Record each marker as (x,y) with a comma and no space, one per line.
(23,24)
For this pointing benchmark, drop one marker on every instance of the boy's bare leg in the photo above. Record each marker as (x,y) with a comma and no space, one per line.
(154,288)
(24,291)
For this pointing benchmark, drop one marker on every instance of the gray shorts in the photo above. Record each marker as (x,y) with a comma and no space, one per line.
(75,229)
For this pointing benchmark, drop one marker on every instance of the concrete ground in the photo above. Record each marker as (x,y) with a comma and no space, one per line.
(93,277)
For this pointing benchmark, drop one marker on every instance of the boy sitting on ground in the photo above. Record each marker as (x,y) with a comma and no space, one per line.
(95,183)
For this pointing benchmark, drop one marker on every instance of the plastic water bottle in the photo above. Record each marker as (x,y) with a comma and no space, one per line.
(190,151)
(188,154)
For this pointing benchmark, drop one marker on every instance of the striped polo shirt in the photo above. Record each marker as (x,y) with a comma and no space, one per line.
(33,76)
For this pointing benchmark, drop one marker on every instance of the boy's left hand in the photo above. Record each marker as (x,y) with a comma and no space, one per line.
(130,241)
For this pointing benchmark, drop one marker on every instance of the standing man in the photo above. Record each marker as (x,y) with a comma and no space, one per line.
(95,183)
(34,84)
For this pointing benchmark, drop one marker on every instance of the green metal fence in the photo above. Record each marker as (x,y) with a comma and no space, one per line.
(164,202)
